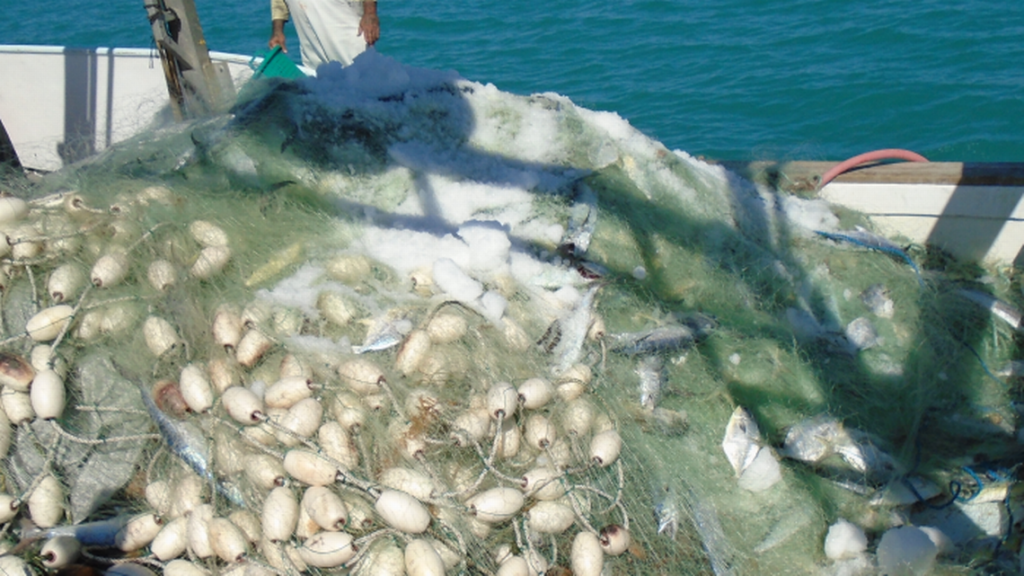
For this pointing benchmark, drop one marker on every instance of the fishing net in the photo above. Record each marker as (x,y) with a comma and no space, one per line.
(512,328)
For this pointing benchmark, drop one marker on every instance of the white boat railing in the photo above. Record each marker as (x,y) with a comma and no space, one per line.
(60,105)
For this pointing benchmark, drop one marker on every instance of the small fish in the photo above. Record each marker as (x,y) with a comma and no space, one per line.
(652,378)
(712,536)
(862,454)
(571,331)
(1000,309)
(582,223)
(742,440)
(666,509)
(813,439)
(861,237)
(876,298)
(862,335)
(385,331)
(101,533)
(816,438)
(189,443)
(661,339)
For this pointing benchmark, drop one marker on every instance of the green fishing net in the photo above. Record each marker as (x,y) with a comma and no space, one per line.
(415,248)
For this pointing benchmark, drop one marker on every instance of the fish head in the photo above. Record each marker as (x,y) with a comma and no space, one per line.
(742,439)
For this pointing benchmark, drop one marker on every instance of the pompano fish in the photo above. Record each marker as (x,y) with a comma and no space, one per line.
(1000,309)
(813,439)
(651,372)
(742,440)
(862,454)
(816,438)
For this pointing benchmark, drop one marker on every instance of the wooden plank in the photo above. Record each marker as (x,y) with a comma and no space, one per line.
(803,176)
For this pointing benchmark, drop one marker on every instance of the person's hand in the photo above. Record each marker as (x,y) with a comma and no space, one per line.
(369,25)
(277,37)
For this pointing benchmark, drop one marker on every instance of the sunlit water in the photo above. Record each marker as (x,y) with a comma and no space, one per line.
(738,79)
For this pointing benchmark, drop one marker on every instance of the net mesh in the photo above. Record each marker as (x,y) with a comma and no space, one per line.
(461,238)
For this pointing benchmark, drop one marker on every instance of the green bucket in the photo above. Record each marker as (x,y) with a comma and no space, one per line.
(276,64)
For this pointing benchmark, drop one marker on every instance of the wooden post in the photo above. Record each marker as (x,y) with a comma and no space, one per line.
(197,86)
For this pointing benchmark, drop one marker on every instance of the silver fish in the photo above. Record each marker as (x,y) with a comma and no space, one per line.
(742,440)
(816,438)
(189,443)
(712,537)
(661,339)
(652,378)
(582,222)
(101,533)
(876,298)
(813,439)
(1000,309)
(864,239)
(666,509)
(385,331)
(862,454)
(571,331)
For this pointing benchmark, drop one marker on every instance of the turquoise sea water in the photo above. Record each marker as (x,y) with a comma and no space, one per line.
(734,79)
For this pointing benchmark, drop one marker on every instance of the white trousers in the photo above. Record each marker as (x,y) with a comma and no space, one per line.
(328,30)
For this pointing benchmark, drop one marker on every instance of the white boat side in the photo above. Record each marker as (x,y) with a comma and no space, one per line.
(62,104)
(971,210)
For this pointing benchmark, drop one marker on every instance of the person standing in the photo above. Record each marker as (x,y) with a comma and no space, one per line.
(329,30)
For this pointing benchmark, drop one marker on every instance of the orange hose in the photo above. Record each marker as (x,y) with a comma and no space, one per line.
(887,154)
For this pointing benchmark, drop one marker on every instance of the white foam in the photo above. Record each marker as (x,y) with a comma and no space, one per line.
(300,290)
(451,279)
(906,551)
(845,540)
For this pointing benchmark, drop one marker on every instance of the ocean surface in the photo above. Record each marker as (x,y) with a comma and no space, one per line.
(733,79)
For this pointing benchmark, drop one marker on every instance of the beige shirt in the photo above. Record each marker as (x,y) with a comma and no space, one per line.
(278,10)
